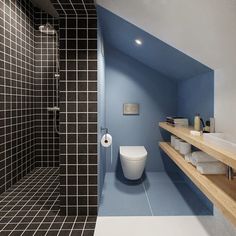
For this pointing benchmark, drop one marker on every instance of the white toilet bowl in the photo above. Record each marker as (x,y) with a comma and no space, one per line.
(133,160)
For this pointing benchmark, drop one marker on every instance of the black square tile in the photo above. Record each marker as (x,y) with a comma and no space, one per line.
(44,226)
(64,233)
(33,226)
(28,233)
(16,233)
(76,233)
(56,226)
(67,226)
(9,226)
(78,226)
(40,233)
(52,233)
(88,233)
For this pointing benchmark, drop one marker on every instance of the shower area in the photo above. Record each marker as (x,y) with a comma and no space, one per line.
(48,117)
(47,77)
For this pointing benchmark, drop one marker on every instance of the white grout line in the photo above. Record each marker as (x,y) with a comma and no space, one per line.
(75,220)
(149,203)
(49,229)
(62,223)
(85,222)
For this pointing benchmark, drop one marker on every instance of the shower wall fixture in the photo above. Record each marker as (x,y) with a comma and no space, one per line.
(78,106)
(46,90)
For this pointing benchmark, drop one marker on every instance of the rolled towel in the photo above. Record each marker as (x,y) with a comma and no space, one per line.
(192,160)
(188,157)
(184,148)
(199,157)
(211,168)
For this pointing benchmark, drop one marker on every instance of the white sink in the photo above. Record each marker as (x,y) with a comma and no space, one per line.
(222,140)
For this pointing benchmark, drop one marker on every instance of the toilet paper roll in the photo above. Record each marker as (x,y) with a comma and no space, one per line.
(106,140)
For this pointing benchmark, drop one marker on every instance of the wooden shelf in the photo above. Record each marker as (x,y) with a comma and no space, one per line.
(229,158)
(217,188)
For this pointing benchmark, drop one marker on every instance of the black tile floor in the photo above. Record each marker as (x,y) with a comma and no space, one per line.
(31,208)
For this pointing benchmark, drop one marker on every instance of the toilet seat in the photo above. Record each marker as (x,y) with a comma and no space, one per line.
(133,153)
(133,159)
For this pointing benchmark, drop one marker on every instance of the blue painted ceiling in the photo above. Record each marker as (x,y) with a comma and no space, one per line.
(156,54)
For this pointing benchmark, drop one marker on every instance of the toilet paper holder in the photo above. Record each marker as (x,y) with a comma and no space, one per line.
(107,137)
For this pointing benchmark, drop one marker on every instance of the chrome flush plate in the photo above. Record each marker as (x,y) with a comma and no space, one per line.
(131,109)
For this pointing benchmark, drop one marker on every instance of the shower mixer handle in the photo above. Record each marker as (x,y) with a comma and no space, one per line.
(53,109)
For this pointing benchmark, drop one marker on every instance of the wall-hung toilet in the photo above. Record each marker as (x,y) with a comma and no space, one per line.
(133,160)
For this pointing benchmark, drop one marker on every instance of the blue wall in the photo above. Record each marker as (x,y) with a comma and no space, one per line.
(196,95)
(101,110)
(129,81)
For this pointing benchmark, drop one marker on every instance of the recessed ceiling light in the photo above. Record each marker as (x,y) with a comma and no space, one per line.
(138,41)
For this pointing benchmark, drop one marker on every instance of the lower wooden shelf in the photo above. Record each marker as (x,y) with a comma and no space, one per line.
(217,188)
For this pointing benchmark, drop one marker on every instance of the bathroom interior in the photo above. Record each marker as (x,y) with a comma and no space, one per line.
(116,118)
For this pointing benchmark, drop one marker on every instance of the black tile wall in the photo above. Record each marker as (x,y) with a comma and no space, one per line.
(16,91)
(46,92)
(75,7)
(27,88)
(78,107)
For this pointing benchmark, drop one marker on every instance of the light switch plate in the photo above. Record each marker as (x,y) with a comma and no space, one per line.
(131,109)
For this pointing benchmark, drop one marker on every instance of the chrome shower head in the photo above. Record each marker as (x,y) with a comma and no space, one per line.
(47,29)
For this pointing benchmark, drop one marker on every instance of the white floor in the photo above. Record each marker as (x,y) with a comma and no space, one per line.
(162,226)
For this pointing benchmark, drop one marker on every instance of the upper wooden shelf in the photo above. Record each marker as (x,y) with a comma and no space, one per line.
(229,158)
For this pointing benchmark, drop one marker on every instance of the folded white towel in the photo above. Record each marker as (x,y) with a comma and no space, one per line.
(188,157)
(192,160)
(199,157)
(211,168)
